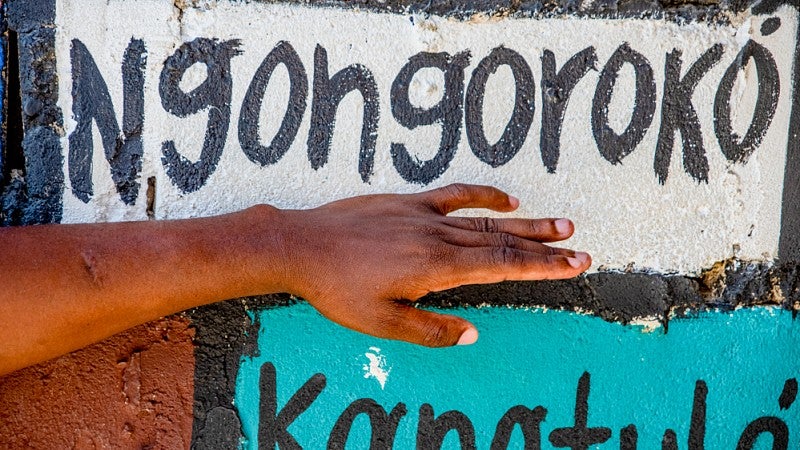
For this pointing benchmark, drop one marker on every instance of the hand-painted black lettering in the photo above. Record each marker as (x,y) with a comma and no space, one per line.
(614,147)
(556,91)
(670,440)
(384,426)
(628,438)
(769,424)
(328,93)
(734,148)
(273,423)
(447,112)
(789,393)
(432,431)
(529,421)
(521,119)
(697,426)
(249,117)
(678,114)
(770,26)
(92,102)
(214,93)
(579,436)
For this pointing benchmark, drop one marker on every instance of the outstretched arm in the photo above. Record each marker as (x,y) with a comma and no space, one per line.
(359,261)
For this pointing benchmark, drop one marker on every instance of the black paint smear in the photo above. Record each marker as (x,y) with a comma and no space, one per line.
(220,431)
(556,91)
(432,431)
(91,102)
(628,438)
(772,425)
(697,426)
(384,426)
(614,147)
(529,421)
(223,333)
(789,393)
(272,423)
(283,53)
(13,157)
(678,114)
(25,16)
(580,436)
(521,119)
(770,26)
(679,11)
(328,94)
(764,7)
(789,241)
(447,112)
(214,93)
(36,198)
(734,148)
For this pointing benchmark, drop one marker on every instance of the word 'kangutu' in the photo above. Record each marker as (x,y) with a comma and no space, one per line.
(460,105)
(432,429)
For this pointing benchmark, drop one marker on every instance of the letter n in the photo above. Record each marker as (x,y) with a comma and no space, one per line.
(91,102)
(432,430)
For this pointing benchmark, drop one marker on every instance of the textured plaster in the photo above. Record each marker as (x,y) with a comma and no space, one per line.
(672,239)
(624,214)
(133,390)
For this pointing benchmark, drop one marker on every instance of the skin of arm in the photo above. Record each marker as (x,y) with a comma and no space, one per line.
(359,261)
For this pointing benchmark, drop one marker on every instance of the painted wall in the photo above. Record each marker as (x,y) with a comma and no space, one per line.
(519,103)
(535,379)
(669,135)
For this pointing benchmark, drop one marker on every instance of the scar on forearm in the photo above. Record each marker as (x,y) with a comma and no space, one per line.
(92,267)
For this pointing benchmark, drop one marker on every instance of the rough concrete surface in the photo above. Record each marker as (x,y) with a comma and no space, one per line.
(133,390)
(667,224)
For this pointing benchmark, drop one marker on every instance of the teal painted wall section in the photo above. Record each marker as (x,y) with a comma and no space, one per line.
(536,358)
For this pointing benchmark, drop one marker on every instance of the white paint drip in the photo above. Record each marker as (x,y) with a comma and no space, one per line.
(377,367)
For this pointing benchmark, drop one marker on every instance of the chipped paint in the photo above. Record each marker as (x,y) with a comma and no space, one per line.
(377,367)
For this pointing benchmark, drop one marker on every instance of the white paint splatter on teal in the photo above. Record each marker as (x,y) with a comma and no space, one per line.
(377,367)
(535,357)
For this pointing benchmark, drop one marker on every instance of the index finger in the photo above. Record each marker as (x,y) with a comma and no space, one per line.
(459,196)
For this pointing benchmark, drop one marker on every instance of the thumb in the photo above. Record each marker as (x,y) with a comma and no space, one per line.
(431,329)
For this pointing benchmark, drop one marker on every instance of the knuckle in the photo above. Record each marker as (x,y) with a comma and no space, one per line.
(433,333)
(505,240)
(439,253)
(485,225)
(556,262)
(390,318)
(507,256)
(537,228)
(429,230)
(458,191)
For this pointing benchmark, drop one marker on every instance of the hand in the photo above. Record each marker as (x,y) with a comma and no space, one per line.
(361,261)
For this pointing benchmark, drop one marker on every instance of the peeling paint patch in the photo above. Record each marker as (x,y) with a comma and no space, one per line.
(377,367)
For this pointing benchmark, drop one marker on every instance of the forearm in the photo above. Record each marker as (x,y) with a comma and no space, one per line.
(67,286)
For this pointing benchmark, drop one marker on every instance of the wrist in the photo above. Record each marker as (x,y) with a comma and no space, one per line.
(265,236)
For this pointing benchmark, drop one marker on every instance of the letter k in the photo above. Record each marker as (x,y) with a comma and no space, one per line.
(272,424)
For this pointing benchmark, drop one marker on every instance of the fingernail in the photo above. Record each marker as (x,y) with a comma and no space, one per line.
(574,262)
(513,201)
(562,226)
(582,256)
(468,337)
